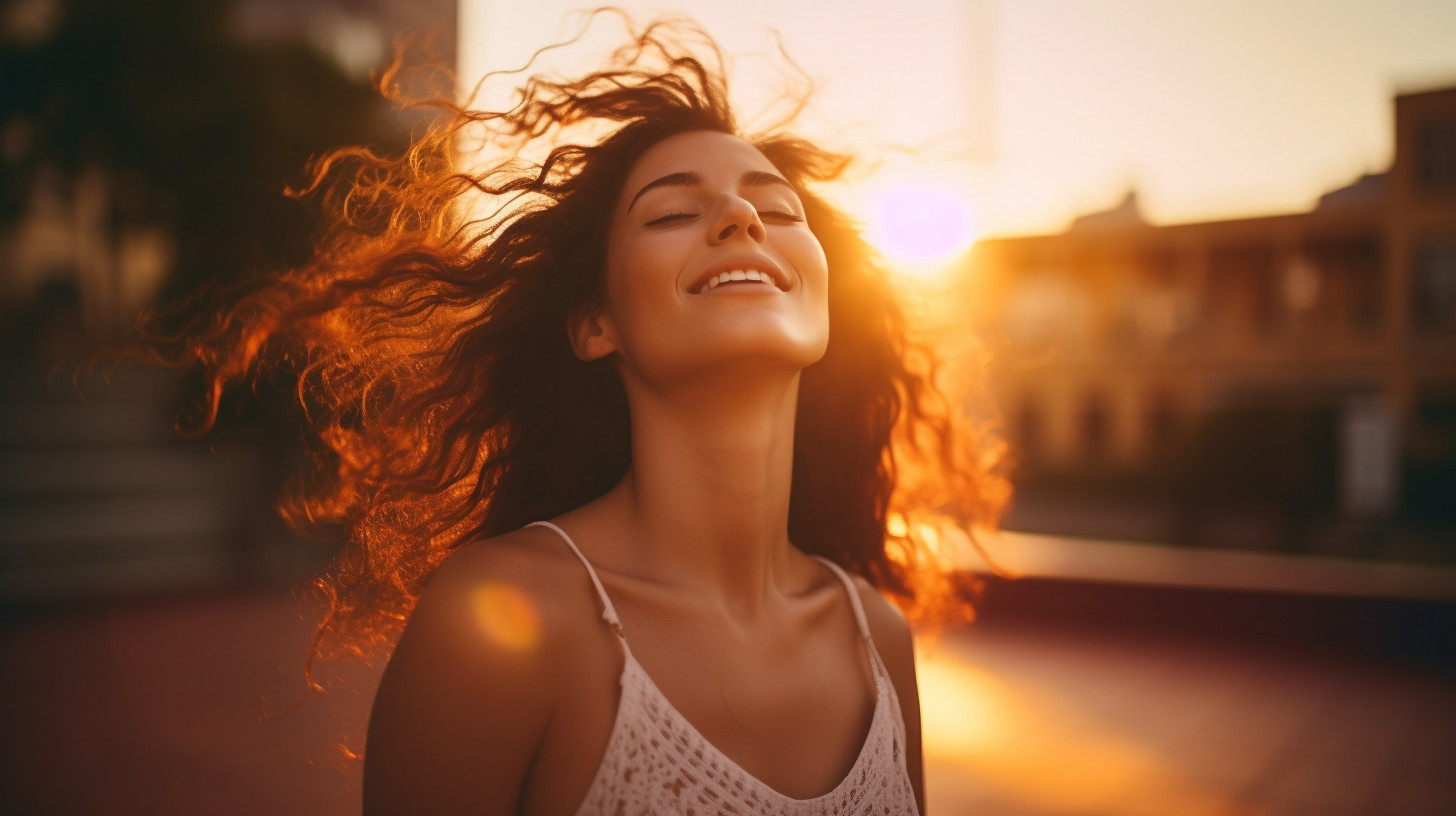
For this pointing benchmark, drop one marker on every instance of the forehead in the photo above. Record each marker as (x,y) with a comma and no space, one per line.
(711,154)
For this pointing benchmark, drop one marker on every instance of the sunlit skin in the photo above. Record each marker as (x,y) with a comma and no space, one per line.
(749,638)
(682,227)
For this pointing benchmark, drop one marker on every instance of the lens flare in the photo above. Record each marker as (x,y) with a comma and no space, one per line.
(920,224)
(507,616)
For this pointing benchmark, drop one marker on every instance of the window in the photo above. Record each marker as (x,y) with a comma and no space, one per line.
(1162,420)
(1433,287)
(1367,456)
(1028,429)
(1096,428)
(1435,156)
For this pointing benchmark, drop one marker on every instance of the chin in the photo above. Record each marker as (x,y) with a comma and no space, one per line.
(738,355)
(769,340)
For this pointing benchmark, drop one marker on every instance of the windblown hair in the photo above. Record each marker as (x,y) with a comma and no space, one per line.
(431,354)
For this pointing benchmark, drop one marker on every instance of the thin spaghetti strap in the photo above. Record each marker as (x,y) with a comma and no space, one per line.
(859,615)
(609,613)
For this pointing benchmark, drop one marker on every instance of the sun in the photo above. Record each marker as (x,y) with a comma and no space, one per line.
(920,225)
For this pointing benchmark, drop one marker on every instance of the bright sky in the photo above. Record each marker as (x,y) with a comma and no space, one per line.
(1026,113)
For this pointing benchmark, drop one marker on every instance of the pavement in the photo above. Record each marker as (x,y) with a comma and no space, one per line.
(1069,696)
(1131,712)
(173,706)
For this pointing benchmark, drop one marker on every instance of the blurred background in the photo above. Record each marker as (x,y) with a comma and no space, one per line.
(1209,250)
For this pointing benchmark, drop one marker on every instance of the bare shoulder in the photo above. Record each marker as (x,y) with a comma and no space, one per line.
(531,560)
(894,642)
(495,605)
(888,626)
(473,682)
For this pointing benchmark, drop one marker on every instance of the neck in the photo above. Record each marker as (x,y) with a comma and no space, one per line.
(705,506)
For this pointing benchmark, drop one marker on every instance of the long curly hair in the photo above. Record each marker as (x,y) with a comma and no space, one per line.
(429,347)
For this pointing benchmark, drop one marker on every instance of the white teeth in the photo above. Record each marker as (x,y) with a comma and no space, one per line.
(737,275)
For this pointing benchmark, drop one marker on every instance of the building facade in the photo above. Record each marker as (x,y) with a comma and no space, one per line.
(1292,378)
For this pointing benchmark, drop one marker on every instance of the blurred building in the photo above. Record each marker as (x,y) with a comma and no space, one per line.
(1281,382)
(93,205)
(144,148)
(358,35)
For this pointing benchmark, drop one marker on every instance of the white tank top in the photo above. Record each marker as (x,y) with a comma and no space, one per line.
(656,762)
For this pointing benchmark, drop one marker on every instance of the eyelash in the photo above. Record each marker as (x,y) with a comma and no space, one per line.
(675,216)
(679,216)
(787,216)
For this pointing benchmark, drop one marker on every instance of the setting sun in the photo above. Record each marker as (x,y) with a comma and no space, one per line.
(920,225)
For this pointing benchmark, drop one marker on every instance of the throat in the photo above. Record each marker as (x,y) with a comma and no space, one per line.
(707,496)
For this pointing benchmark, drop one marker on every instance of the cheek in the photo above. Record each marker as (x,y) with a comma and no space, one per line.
(821,301)
(806,252)
(812,265)
(641,293)
(636,265)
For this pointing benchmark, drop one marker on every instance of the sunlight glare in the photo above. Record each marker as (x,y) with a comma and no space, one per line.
(977,726)
(966,707)
(920,225)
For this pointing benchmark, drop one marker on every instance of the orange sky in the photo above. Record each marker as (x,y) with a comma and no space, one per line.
(1036,110)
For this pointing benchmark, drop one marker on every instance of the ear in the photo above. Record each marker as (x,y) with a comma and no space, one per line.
(593,336)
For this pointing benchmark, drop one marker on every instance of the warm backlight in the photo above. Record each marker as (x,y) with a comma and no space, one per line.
(1005,739)
(920,225)
(963,708)
(507,616)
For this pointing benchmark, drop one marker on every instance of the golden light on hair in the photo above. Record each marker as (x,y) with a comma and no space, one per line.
(426,360)
(929,535)
(895,525)
(507,616)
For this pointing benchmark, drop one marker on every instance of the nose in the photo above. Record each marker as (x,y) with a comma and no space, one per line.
(736,216)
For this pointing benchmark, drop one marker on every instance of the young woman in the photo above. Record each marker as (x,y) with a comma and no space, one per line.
(634,456)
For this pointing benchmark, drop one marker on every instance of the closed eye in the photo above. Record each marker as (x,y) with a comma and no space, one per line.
(670,217)
(776,215)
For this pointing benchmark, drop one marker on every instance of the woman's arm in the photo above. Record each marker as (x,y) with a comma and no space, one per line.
(897,649)
(462,704)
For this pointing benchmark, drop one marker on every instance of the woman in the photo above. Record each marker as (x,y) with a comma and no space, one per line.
(614,452)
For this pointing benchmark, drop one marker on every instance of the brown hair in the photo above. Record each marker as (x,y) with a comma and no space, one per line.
(431,355)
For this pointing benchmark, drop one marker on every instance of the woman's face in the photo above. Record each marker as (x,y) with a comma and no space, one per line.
(710,263)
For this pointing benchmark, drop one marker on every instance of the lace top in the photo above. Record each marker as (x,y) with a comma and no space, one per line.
(656,762)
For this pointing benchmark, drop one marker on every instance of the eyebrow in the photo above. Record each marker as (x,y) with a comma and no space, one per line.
(752,178)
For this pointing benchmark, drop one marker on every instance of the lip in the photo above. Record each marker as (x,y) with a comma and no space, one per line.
(760,263)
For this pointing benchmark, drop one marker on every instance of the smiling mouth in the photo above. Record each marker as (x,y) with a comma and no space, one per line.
(737,277)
